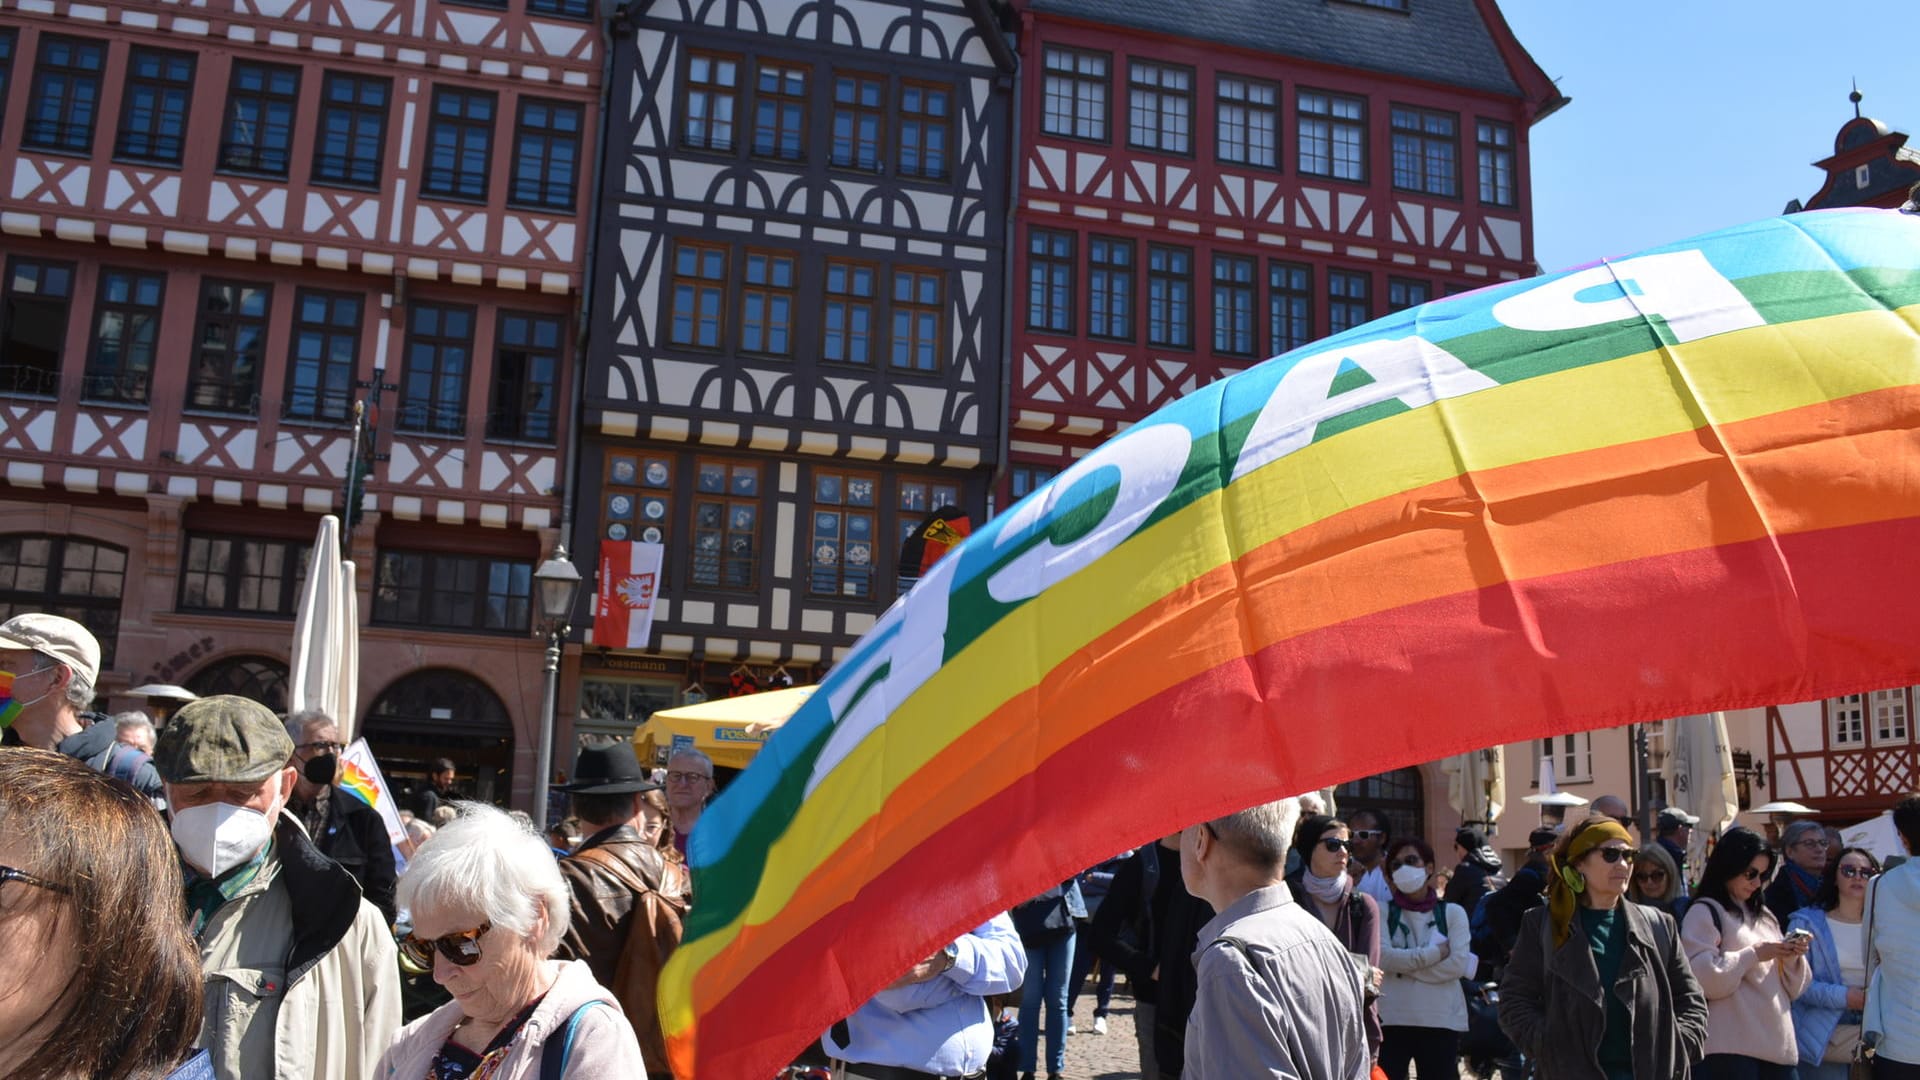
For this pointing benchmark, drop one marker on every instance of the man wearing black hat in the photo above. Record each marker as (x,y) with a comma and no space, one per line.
(626,914)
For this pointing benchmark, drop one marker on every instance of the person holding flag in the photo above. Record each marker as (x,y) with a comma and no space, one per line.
(344,827)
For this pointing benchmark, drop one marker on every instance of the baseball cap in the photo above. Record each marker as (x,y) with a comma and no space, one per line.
(56,637)
(223,739)
(1673,817)
(1543,836)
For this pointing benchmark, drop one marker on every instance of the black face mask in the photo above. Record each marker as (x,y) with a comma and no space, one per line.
(321,769)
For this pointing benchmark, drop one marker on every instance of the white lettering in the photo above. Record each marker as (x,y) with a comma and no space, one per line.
(1149,459)
(1412,369)
(912,658)
(1681,287)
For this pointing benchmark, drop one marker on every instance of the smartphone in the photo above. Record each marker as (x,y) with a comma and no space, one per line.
(1800,935)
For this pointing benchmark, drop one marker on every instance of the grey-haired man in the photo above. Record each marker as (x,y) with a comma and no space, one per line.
(1278,995)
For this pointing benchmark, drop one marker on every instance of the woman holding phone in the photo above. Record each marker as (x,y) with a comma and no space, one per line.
(1750,971)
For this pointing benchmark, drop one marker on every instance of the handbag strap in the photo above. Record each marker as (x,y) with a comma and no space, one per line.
(1870,1016)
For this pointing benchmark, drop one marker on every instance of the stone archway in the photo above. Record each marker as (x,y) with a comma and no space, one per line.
(442,712)
(261,678)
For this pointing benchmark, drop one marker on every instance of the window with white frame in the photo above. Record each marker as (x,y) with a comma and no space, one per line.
(1572,757)
(1891,712)
(1847,721)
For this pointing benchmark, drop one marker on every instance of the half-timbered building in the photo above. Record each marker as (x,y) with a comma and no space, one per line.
(224,222)
(798,305)
(1202,186)
(1846,757)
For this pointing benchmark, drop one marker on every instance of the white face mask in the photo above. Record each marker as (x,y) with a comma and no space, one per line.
(1410,879)
(216,837)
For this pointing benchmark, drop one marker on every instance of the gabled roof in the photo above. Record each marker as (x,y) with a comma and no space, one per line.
(1442,41)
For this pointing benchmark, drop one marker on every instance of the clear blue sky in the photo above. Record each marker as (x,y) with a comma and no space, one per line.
(1692,115)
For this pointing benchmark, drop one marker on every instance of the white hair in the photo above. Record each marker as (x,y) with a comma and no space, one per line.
(298,723)
(486,863)
(1261,833)
(131,721)
(79,686)
(697,755)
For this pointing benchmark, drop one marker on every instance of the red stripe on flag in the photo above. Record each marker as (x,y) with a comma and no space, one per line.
(1429,679)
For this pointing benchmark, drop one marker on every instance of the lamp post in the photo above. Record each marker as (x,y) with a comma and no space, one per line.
(558,583)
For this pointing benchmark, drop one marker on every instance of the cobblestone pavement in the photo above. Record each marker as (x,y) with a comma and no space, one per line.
(1113,1056)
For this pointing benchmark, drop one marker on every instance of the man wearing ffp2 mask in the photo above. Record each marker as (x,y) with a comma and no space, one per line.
(301,976)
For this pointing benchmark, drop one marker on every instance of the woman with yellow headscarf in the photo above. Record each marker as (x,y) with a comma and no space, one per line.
(1598,987)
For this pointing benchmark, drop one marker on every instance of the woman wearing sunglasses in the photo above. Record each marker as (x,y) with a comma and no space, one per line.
(1323,887)
(1598,986)
(489,908)
(1826,1018)
(99,978)
(1750,972)
(1425,950)
(1656,881)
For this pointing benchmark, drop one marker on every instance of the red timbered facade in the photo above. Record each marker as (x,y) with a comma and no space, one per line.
(1201,188)
(225,222)
(1847,757)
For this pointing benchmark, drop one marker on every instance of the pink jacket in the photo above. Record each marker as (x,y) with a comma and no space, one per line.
(604,1047)
(1749,1000)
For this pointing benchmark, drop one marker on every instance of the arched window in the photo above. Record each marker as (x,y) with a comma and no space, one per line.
(441,712)
(64,575)
(1396,794)
(261,678)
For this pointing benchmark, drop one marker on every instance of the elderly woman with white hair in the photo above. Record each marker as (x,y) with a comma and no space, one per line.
(489,907)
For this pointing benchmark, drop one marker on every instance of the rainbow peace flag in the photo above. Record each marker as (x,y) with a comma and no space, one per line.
(360,775)
(1674,483)
(9,708)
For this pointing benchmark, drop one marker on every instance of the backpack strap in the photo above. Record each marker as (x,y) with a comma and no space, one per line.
(557,1051)
(619,869)
(123,762)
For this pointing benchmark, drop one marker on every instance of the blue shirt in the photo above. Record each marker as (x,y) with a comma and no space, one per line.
(939,1026)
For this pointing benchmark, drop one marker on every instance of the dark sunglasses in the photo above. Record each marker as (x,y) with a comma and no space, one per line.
(1655,874)
(1611,855)
(1753,875)
(1413,861)
(1335,844)
(1856,871)
(8,873)
(1369,834)
(462,947)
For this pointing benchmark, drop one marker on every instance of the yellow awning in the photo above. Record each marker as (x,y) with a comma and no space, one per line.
(728,730)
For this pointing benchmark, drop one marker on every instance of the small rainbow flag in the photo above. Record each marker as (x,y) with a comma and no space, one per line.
(360,776)
(9,708)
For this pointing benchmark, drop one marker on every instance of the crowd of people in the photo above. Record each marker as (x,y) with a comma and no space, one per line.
(205,900)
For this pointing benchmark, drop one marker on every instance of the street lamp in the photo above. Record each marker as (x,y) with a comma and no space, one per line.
(558,583)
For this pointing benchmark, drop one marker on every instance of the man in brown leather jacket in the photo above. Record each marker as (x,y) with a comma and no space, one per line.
(621,886)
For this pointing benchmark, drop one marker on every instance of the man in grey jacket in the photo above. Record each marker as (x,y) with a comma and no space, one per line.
(1278,994)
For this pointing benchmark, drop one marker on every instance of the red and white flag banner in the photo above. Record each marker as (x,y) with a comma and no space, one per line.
(629,582)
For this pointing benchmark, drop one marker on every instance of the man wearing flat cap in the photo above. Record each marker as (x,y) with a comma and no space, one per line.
(301,975)
(55,662)
(627,900)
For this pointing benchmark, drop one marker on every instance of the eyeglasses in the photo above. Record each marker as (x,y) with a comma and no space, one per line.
(1613,855)
(1651,875)
(1751,874)
(1334,844)
(686,777)
(319,747)
(463,947)
(1814,841)
(1369,834)
(1856,871)
(8,873)
(1414,861)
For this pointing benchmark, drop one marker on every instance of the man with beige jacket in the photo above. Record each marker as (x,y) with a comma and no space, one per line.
(302,982)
